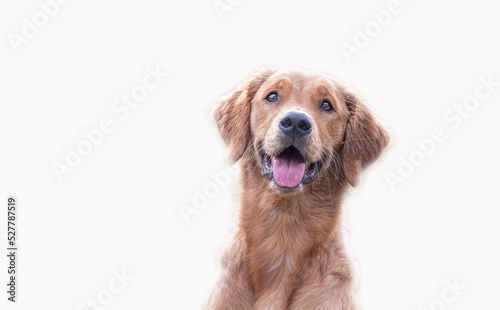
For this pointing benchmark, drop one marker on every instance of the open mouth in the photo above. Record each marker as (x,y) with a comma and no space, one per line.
(289,169)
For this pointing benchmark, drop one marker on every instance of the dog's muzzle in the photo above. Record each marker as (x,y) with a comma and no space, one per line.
(290,169)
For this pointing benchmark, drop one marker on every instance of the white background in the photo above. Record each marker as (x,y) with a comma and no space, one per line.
(119,208)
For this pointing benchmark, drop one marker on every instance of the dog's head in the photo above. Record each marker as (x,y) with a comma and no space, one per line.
(297,127)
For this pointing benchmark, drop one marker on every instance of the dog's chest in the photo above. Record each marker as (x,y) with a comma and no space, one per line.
(276,256)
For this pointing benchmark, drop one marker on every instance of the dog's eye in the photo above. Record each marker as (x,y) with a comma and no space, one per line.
(326,106)
(272,97)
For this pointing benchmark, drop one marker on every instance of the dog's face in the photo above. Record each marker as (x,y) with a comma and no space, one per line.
(297,127)
(298,124)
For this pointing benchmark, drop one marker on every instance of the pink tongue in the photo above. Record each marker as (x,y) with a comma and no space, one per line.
(288,170)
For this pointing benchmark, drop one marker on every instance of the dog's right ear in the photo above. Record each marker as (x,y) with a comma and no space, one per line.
(233,115)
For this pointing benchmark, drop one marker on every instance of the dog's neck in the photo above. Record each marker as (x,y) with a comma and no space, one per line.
(283,230)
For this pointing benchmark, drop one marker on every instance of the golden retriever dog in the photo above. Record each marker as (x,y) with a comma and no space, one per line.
(301,139)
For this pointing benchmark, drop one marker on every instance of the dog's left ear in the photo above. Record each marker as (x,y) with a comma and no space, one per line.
(364,138)
(233,115)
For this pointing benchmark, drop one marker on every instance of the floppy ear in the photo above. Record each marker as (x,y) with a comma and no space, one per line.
(364,139)
(233,115)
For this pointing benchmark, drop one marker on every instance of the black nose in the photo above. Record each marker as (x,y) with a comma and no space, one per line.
(295,124)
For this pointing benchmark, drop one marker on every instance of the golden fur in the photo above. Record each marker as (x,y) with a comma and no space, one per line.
(288,252)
